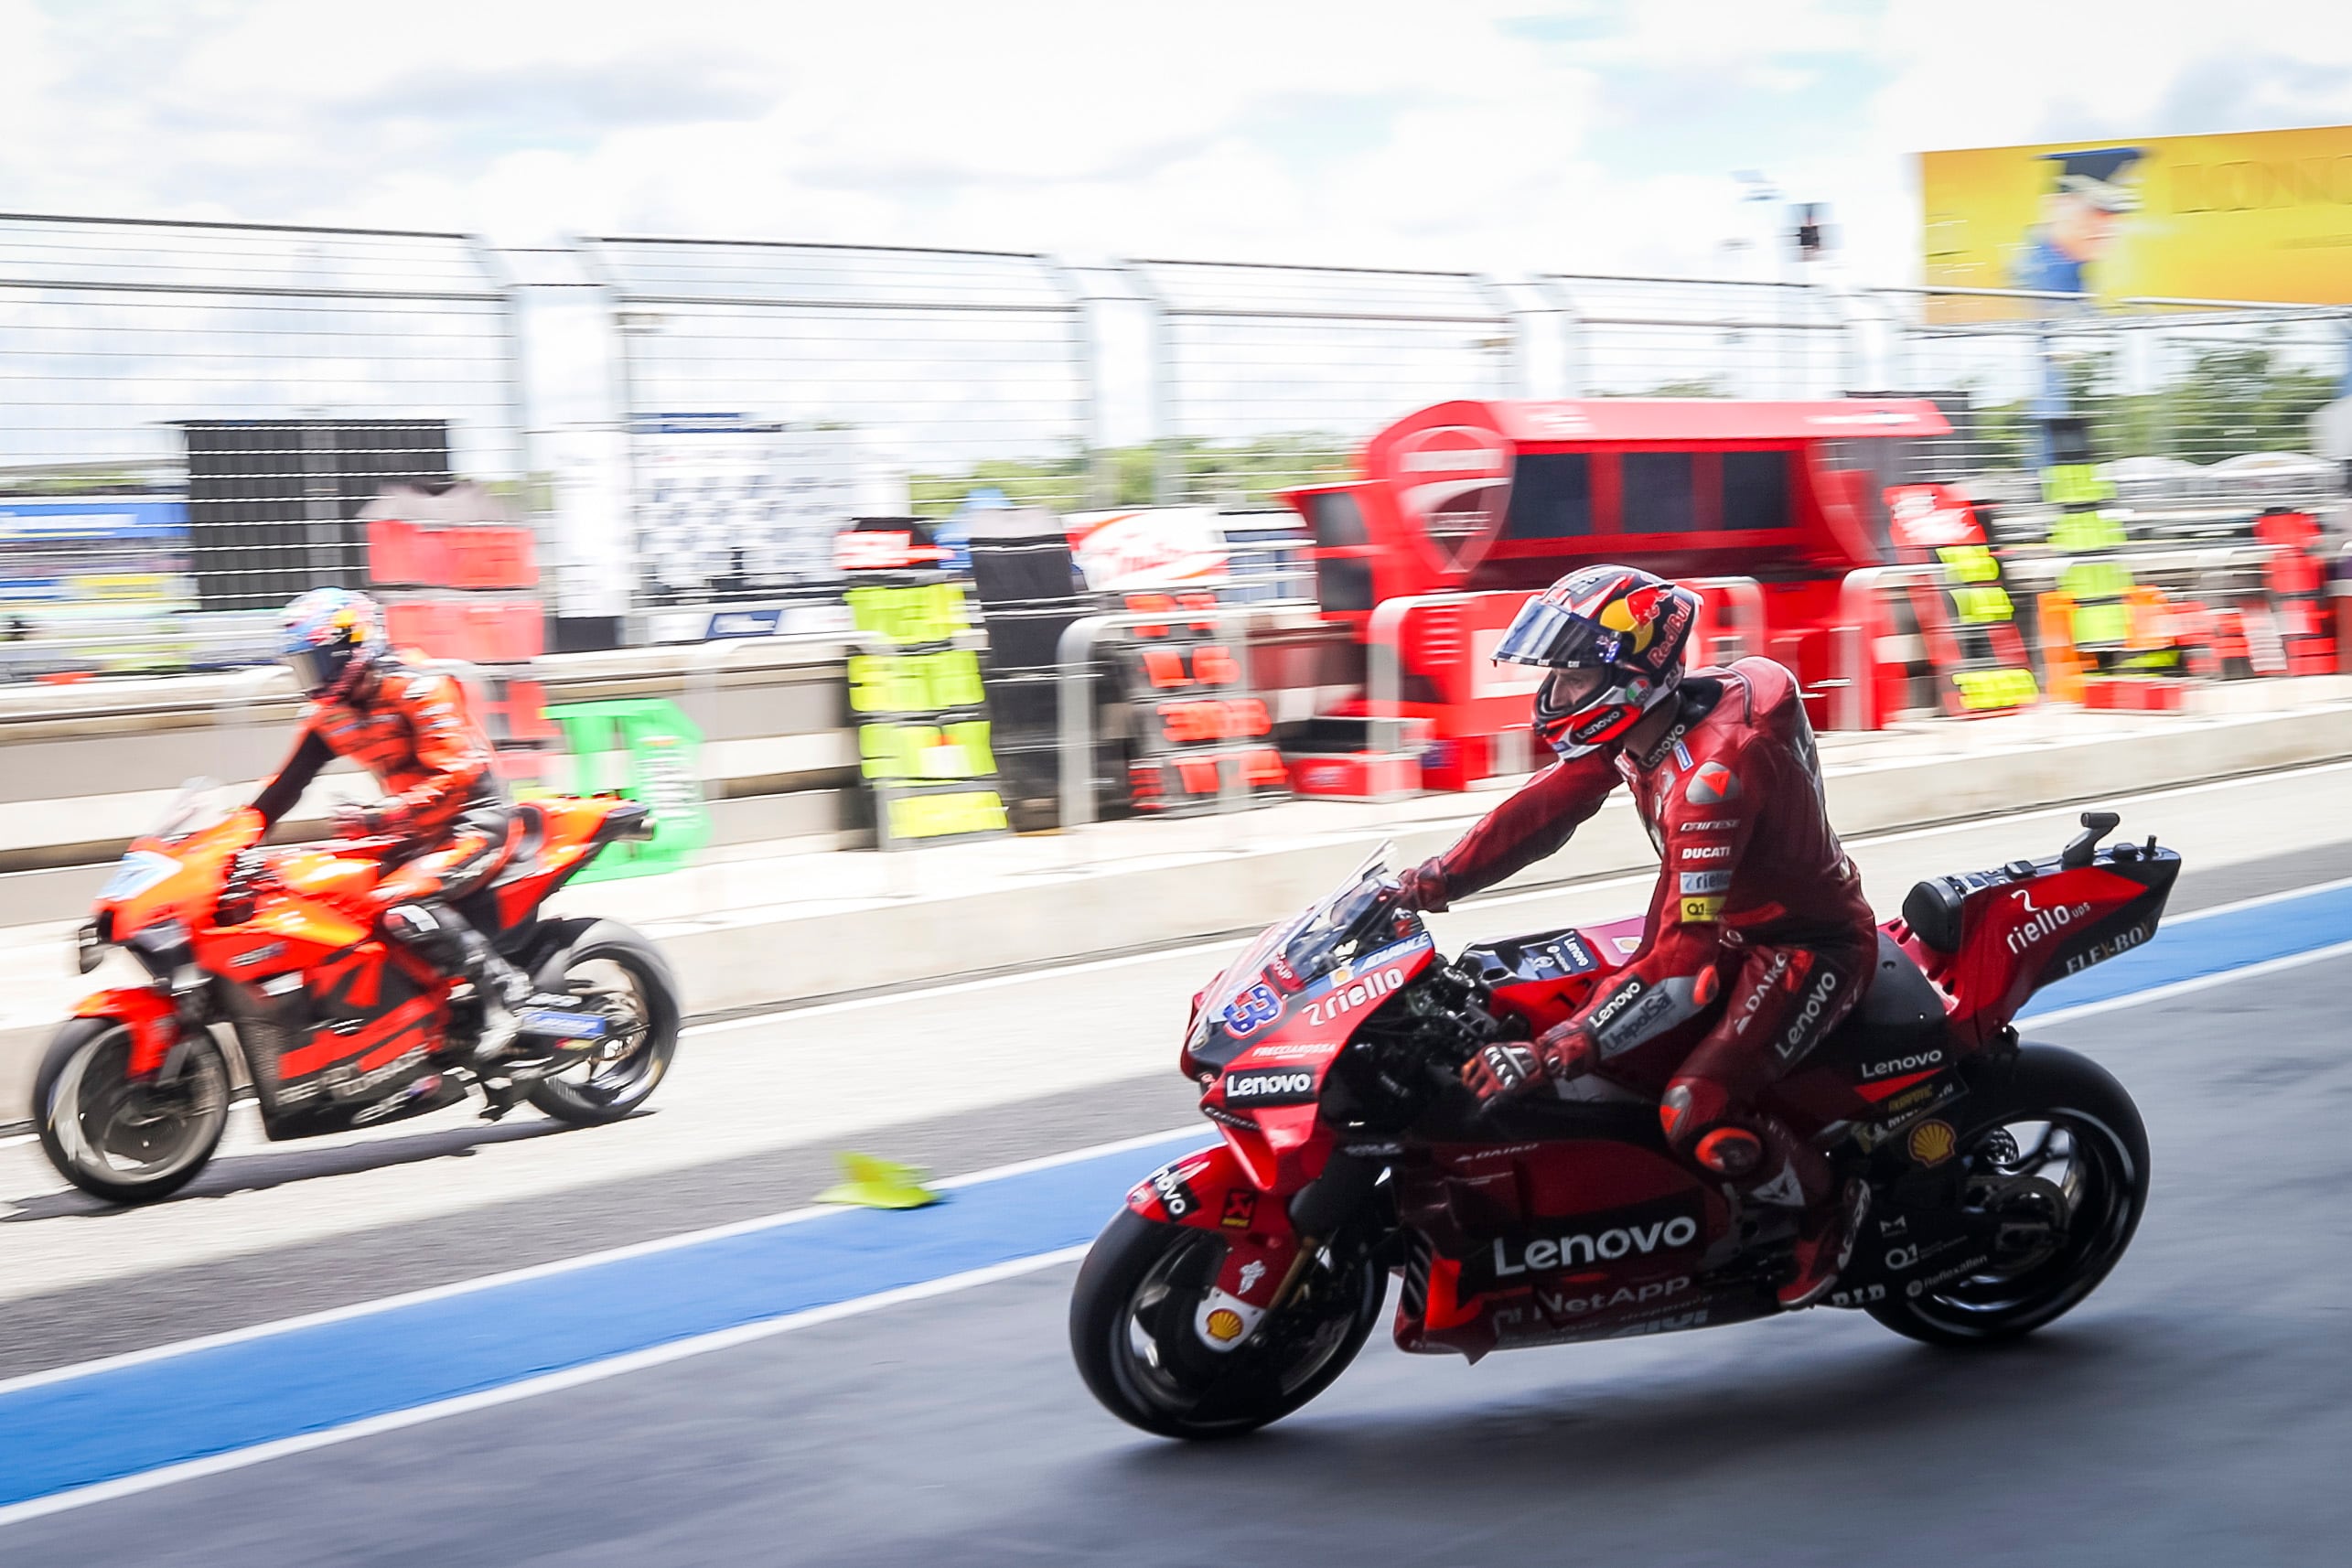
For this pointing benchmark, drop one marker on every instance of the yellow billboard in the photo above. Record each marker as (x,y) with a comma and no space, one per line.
(2261,215)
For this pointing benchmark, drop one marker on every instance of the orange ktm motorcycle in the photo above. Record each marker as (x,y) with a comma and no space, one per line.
(257,958)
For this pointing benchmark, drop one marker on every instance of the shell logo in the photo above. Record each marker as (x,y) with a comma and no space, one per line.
(1224,1325)
(1932,1143)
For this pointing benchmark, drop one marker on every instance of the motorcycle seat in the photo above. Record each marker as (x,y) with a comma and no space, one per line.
(1899,1002)
(1932,911)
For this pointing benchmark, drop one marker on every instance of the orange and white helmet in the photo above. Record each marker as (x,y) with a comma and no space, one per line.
(1613,639)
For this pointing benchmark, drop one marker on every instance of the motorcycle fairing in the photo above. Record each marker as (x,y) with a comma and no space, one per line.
(2034,923)
(1551,1241)
(146,1013)
(1209,1190)
(1269,1092)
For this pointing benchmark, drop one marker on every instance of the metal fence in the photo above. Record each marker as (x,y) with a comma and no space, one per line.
(1651,337)
(771,390)
(192,415)
(1265,376)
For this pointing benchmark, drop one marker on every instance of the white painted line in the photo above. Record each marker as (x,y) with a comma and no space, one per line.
(551,1382)
(2260,899)
(11,1141)
(2185,987)
(561,1266)
(744,1333)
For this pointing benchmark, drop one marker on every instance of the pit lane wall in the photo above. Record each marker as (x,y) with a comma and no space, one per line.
(1043,903)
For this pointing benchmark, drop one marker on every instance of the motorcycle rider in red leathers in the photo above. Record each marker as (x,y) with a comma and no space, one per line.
(1757,941)
(411,729)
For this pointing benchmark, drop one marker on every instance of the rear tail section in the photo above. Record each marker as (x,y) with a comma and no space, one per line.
(1992,938)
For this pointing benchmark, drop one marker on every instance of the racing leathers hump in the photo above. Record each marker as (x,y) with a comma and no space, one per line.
(413,730)
(1732,796)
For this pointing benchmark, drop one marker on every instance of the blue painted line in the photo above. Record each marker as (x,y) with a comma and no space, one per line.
(117,1422)
(120,1422)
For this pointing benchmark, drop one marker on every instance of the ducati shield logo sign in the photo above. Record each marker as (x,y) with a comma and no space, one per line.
(1271,1086)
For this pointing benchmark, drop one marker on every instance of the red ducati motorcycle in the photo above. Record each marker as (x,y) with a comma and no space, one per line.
(264,953)
(2006,1179)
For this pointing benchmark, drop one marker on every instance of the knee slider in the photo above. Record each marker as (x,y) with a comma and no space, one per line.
(1730,1151)
(1693,1107)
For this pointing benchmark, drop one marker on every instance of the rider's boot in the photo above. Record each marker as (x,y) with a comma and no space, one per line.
(448,941)
(1774,1167)
(1825,1244)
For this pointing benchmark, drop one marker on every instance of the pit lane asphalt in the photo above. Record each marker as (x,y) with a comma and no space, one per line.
(2197,1409)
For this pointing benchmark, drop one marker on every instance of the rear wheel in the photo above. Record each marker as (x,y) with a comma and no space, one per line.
(125,1139)
(612,971)
(1130,1328)
(2058,1157)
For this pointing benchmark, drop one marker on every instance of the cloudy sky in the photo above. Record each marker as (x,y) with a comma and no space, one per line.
(1463,134)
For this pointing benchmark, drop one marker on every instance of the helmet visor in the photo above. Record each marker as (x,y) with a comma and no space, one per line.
(314,669)
(1547,634)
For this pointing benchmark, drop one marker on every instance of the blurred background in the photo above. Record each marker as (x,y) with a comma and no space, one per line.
(1098,447)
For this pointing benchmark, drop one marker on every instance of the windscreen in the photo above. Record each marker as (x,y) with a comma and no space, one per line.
(1289,956)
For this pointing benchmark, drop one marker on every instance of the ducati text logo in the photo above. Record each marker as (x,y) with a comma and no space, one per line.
(1566,1251)
(1271,1086)
(2043,923)
(1901,1064)
(1707,851)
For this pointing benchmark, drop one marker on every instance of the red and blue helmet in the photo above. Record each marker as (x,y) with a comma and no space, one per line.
(1613,639)
(330,635)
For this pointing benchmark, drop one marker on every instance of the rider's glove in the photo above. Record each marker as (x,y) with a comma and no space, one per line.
(1423,887)
(1502,1068)
(1568,1049)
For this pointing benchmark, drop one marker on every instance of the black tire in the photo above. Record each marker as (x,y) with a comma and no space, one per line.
(2094,1136)
(609,969)
(1189,1391)
(92,1114)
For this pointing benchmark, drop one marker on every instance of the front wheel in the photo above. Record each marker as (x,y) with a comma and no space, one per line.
(125,1139)
(1131,1329)
(609,970)
(2058,1157)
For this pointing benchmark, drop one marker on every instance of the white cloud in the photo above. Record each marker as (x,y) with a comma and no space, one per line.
(1373,132)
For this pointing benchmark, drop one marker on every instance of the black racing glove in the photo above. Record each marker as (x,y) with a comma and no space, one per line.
(1503,1069)
(1423,887)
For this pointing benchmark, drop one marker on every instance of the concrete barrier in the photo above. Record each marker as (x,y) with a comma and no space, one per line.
(1041,909)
